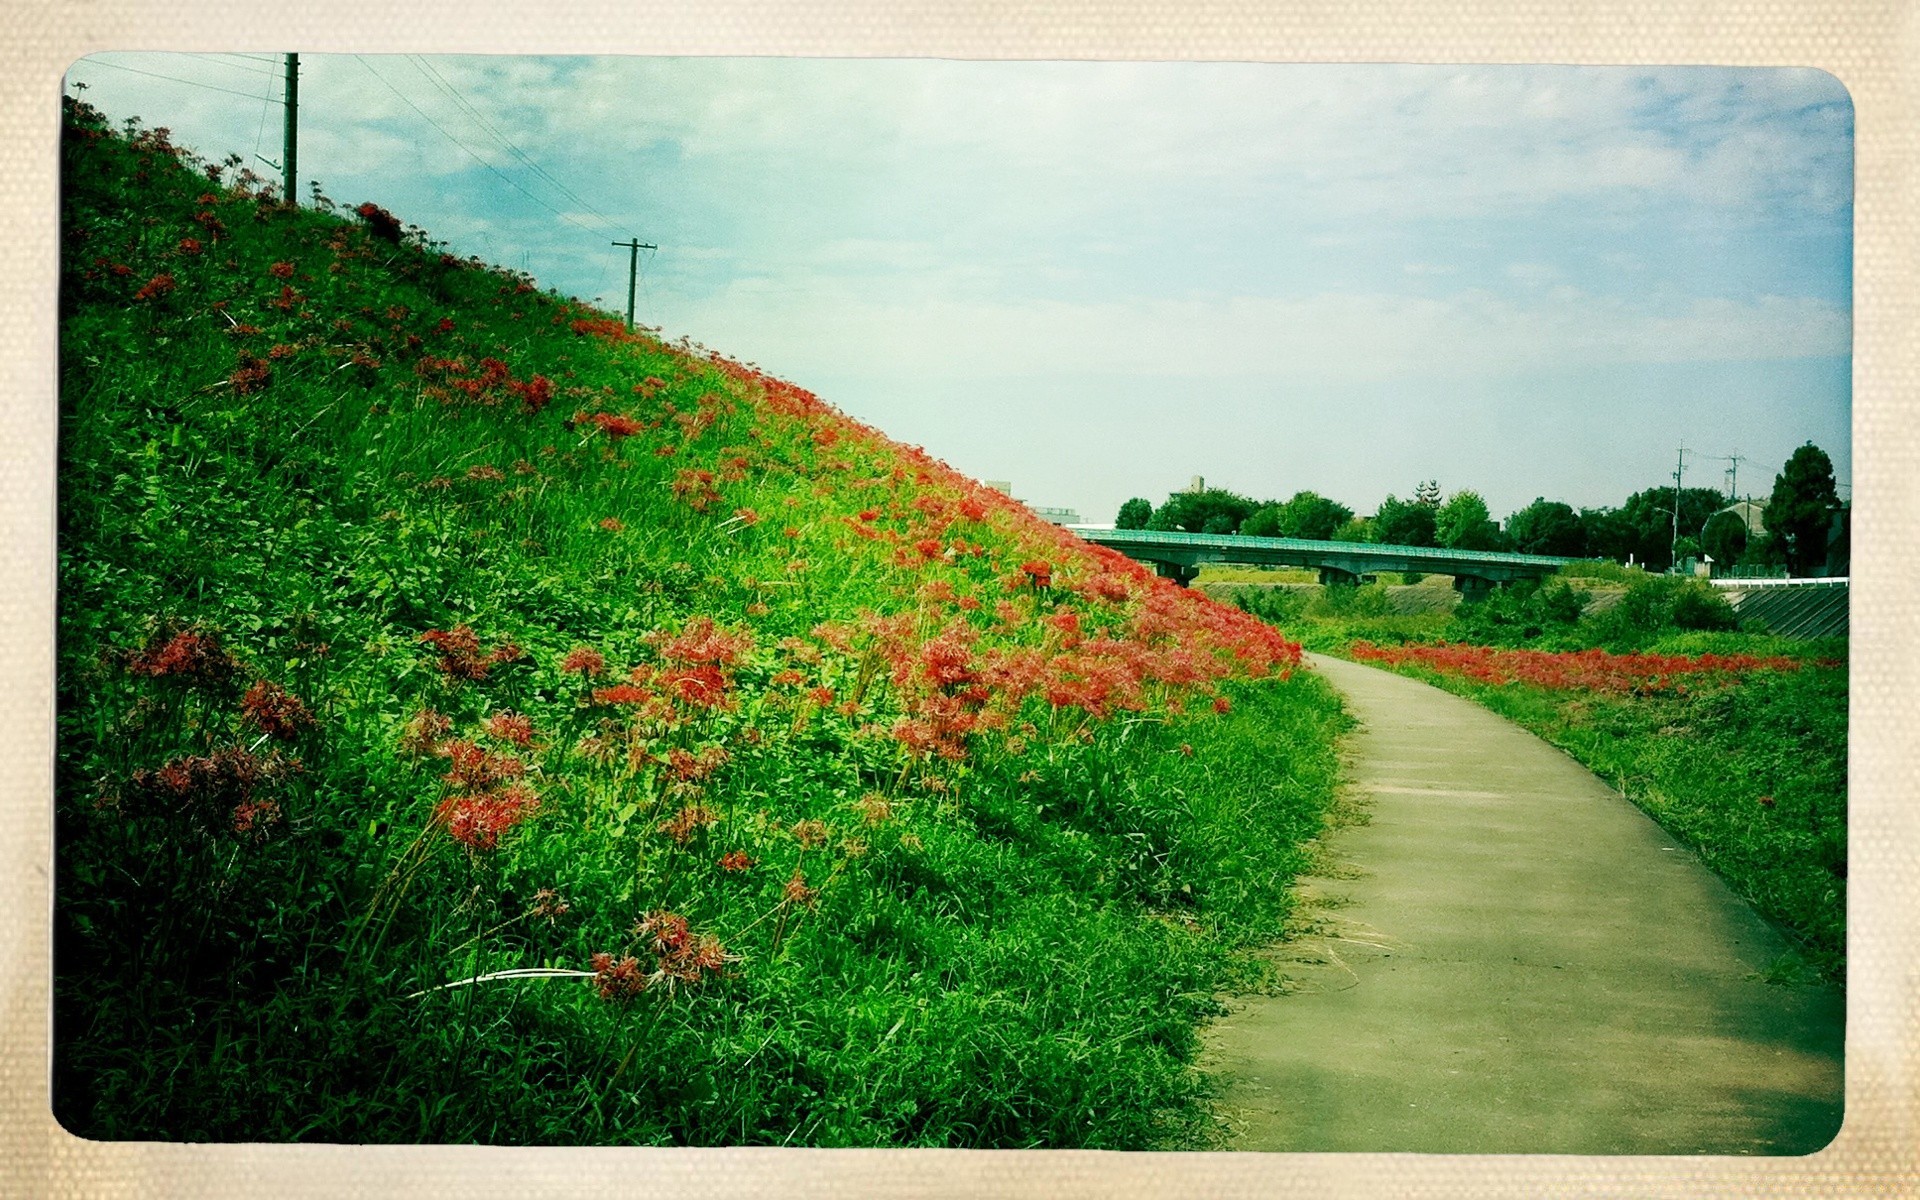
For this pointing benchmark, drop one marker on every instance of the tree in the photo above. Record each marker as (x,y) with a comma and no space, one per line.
(1645,528)
(1192,511)
(1463,524)
(1427,493)
(1311,515)
(1134,514)
(1403,523)
(1548,527)
(1354,529)
(1262,522)
(1799,514)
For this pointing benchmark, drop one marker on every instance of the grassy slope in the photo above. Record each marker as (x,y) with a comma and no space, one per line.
(1750,774)
(1000,845)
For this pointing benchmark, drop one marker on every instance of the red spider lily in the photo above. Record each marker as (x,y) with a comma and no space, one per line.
(735,860)
(474,768)
(535,394)
(688,767)
(274,711)
(1222,705)
(797,893)
(622,980)
(445,325)
(613,524)
(584,661)
(688,821)
(875,808)
(822,696)
(485,473)
(424,731)
(702,641)
(155,288)
(622,693)
(547,903)
(191,246)
(460,654)
(281,270)
(511,727)
(187,654)
(1038,572)
(788,678)
(253,818)
(380,223)
(228,780)
(476,820)
(698,687)
(695,488)
(1591,670)
(250,376)
(746,516)
(810,833)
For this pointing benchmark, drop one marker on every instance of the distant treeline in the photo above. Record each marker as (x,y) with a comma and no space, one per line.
(1804,522)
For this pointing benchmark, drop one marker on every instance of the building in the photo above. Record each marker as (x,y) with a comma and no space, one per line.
(1057,516)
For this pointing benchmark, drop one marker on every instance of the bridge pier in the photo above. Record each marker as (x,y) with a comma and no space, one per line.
(1332,575)
(1472,588)
(1181,573)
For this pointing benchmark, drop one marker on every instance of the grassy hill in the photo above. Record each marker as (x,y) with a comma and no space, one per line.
(479,722)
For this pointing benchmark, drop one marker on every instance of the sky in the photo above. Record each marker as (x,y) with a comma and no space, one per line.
(1098,280)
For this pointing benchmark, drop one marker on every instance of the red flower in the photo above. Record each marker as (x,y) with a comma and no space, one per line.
(189,653)
(155,288)
(281,270)
(584,660)
(735,860)
(274,711)
(190,245)
(511,727)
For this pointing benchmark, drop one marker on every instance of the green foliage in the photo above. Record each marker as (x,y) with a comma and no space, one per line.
(1643,527)
(1134,514)
(1602,569)
(1311,515)
(1800,512)
(1518,615)
(1463,524)
(1403,523)
(1009,948)
(1547,527)
(1194,512)
(1655,606)
(1355,529)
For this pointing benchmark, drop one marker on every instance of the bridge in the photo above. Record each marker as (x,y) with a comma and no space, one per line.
(1178,557)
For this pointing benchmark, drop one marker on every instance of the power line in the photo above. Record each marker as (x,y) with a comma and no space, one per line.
(510,180)
(218,61)
(95,62)
(433,76)
(266,104)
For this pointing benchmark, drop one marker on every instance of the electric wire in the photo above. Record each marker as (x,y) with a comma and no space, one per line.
(433,77)
(510,180)
(95,62)
(220,61)
(266,104)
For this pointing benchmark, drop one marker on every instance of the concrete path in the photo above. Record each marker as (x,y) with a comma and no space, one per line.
(1514,959)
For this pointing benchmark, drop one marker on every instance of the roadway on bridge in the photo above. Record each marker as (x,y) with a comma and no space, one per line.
(1514,959)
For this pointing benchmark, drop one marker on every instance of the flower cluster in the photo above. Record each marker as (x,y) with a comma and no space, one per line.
(1587,670)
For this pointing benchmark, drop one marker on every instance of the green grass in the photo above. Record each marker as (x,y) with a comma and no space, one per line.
(971,911)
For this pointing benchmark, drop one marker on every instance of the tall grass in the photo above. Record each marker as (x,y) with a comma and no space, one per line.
(479,723)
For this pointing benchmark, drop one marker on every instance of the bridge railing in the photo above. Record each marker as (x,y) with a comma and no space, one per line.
(1313,546)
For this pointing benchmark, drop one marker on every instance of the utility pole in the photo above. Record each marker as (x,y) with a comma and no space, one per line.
(634,247)
(292,146)
(1679,469)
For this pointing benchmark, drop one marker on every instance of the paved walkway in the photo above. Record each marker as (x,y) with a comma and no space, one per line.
(1517,960)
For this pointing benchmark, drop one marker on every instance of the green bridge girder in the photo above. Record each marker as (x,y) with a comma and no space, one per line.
(1178,557)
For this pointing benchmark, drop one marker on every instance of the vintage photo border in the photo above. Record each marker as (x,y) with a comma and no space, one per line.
(1872,48)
